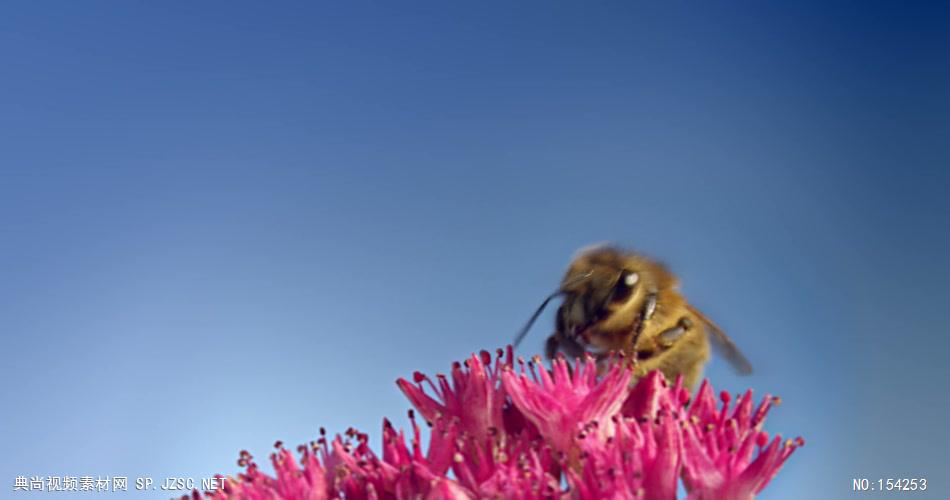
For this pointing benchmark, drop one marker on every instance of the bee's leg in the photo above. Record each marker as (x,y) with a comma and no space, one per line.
(670,335)
(649,307)
(572,348)
(558,341)
(551,346)
(684,350)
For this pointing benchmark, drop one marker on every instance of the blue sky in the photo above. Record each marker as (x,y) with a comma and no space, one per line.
(227,223)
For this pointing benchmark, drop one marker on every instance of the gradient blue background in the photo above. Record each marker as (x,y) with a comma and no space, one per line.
(228,223)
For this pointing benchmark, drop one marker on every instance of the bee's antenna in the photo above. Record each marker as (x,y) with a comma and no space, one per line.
(534,317)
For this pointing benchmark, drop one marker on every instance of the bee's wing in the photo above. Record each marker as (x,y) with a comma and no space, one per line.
(724,344)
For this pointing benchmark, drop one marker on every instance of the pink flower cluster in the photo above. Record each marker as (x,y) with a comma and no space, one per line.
(508,429)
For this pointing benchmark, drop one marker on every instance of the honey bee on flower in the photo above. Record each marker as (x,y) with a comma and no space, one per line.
(621,301)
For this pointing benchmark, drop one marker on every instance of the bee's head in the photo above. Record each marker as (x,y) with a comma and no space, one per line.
(605,290)
(601,289)
(598,283)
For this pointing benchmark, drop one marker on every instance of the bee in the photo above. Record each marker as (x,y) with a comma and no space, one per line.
(620,301)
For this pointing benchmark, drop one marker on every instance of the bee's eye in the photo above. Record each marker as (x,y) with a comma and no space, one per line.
(624,287)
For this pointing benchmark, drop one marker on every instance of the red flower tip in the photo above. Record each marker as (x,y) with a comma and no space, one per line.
(725,397)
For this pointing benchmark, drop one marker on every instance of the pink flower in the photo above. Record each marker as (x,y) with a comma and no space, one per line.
(718,447)
(559,403)
(531,434)
(641,460)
